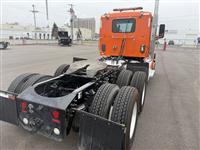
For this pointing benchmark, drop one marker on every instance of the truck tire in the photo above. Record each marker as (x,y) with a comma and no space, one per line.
(33,80)
(61,69)
(18,81)
(103,100)
(125,112)
(139,81)
(43,78)
(124,78)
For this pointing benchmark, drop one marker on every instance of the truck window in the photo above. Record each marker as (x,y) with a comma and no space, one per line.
(123,25)
(62,34)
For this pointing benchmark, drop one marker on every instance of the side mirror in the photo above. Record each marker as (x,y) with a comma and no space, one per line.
(161,30)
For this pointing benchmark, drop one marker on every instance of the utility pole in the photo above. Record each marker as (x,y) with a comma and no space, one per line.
(47,12)
(154,28)
(72,13)
(34,12)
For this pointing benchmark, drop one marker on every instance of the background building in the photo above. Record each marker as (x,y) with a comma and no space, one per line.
(181,37)
(15,31)
(88,23)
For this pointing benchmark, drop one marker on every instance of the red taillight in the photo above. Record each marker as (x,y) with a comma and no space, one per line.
(24,105)
(56,121)
(55,114)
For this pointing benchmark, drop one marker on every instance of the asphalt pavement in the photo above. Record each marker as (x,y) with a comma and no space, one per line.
(170,119)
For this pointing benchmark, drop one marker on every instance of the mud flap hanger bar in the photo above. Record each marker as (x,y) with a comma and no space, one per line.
(97,133)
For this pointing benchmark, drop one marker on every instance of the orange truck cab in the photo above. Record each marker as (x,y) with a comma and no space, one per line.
(126,33)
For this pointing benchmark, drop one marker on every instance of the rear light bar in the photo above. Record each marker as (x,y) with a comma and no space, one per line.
(125,9)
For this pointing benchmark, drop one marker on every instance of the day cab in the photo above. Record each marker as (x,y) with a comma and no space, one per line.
(126,33)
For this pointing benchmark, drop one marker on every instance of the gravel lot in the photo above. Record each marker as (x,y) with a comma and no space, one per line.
(170,119)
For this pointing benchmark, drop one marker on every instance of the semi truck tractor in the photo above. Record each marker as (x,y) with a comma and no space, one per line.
(63,38)
(100,100)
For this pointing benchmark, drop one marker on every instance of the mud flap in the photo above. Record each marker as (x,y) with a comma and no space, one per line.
(97,133)
(8,108)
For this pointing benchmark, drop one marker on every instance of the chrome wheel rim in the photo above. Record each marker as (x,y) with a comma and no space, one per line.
(133,120)
(143,94)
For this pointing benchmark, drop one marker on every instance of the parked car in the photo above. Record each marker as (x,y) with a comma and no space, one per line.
(64,38)
(198,40)
(171,42)
(4,45)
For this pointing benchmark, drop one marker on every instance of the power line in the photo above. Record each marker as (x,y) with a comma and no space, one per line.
(179,20)
(178,17)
